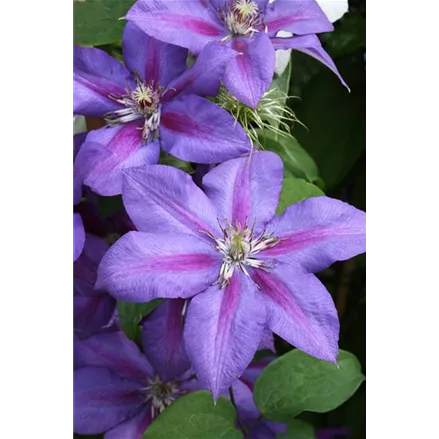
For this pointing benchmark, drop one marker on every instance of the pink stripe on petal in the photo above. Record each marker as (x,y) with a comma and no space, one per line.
(187,262)
(222,332)
(165,199)
(250,74)
(155,61)
(280,295)
(182,123)
(125,141)
(226,314)
(246,189)
(195,129)
(300,310)
(140,267)
(315,233)
(196,25)
(242,194)
(100,86)
(242,59)
(298,241)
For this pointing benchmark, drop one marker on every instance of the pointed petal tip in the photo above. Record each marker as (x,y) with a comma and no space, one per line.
(215,392)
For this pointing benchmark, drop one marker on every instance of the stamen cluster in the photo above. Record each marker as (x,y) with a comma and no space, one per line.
(142,102)
(238,247)
(242,18)
(160,394)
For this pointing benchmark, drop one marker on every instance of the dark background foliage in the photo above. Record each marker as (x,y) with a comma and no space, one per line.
(336,138)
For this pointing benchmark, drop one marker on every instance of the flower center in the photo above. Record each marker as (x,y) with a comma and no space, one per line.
(160,395)
(242,18)
(141,103)
(238,247)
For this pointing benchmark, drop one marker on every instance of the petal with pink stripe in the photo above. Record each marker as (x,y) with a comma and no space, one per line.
(205,76)
(246,189)
(141,267)
(249,74)
(310,45)
(300,310)
(191,24)
(102,400)
(95,75)
(164,199)
(155,61)
(317,232)
(121,148)
(113,351)
(297,16)
(223,330)
(195,129)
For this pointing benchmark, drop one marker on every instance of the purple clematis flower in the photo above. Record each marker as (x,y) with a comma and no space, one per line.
(150,102)
(94,310)
(249,27)
(116,390)
(244,268)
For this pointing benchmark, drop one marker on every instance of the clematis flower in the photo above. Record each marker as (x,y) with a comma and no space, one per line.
(150,102)
(116,390)
(249,27)
(244,268)
(93,310)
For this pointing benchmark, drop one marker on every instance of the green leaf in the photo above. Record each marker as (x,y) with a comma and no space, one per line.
(96,22)
(195,416)
(295,190)
(169,160)
(298,429)
(297,382)
(295,158)
(113,50)
(335,120)
(130,315)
